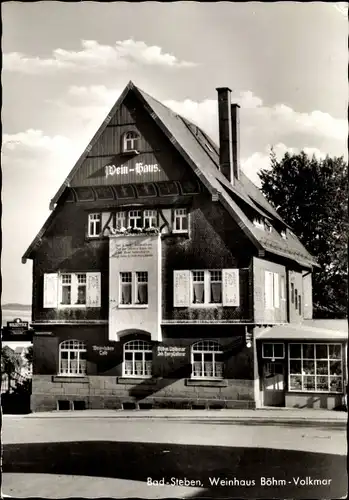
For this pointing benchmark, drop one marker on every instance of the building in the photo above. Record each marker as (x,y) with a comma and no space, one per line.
(160,272)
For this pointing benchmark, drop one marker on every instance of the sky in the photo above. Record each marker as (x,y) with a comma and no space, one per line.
(65,64)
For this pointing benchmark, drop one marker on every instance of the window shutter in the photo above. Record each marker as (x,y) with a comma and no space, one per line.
(93,289)
(50,290)
(276,290)
(181,288)
(231,287)
(268,290)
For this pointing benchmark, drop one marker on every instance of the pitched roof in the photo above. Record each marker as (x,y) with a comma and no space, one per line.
(202,154)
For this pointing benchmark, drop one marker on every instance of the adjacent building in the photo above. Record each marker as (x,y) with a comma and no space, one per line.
(163,277)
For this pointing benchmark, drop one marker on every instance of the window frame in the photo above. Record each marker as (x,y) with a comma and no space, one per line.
(207,288)
(180,216)
(202,352)
(133,351)
(135,141)
(273,357)
(134,290)
(78,350)
(74,289)
(315,360)
(92,223)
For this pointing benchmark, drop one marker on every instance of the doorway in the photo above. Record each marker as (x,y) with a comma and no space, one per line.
(273,384)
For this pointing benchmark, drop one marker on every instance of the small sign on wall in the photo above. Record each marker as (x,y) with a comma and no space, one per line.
(171,351)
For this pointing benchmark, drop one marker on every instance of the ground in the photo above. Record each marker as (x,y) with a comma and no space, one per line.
(106,457)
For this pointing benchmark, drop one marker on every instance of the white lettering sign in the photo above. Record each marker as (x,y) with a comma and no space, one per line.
(171,351)
(103,350)
(139,169)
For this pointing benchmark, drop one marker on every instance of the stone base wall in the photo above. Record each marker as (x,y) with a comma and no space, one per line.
(110,392)
(323,401)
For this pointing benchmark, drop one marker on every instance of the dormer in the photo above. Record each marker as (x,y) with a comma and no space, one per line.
(130,143)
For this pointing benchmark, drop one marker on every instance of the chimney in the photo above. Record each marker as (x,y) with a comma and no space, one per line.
(225,133)
(235,133)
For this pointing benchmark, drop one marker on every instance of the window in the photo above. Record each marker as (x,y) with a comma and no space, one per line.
(206,287)
(150,218)
(94,225)
(141,288)
(72,358)
(135,218)
(315,368)
(120,220)
(198,287)
(81,288)
(138,355)
(126,287)
(131,141)
(273,350)
(134,288)
(180,220)
(296,298)
(215,287)
(271,290)
(66,289)
(299,304)
(207,360)
(72,290)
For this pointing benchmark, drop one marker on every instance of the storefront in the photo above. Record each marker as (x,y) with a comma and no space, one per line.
(303,366)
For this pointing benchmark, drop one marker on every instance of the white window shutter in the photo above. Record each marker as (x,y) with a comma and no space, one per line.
(93,289)
(181,288)
(276,290)
(268,289)
(231,288)
(50,290)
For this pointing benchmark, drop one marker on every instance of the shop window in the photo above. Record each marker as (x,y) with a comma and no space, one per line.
(180,220)
(72,358)
(134,288)
(138,358)
(131,141)
(206,359)
(315,367)
(271,350)
(94,225)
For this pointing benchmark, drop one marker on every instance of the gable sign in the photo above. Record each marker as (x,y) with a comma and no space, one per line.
(138,169)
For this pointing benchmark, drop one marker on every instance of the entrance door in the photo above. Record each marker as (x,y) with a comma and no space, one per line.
(273,384)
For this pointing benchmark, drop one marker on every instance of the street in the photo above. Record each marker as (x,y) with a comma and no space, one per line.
(120,458)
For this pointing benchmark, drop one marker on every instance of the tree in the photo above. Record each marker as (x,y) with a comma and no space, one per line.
(311,196)
(10,364)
